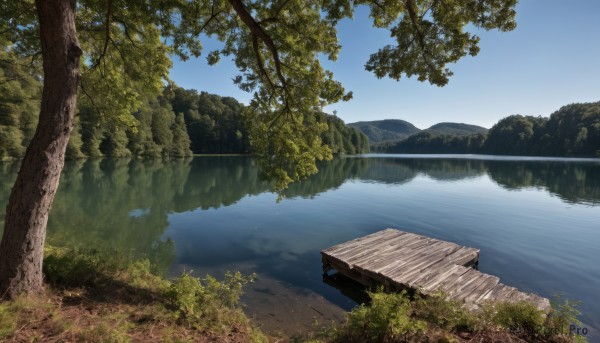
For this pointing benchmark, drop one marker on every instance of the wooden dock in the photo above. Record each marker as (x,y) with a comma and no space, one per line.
(403,260)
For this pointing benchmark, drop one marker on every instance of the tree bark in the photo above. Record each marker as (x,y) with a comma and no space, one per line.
(22,245)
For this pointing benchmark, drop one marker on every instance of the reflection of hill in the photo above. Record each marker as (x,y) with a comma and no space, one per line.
(126,203)
(571,182)
(331,175)
(402,170)
(448,169)
(387,170)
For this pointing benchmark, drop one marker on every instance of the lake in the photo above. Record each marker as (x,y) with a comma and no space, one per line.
(536,221)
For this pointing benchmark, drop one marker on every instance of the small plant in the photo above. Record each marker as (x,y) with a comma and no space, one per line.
(77,267)
(139,274)
(8,320)
(444,313)
(185,294)
(387,318)
(212,301)
(563,314)
(519,317)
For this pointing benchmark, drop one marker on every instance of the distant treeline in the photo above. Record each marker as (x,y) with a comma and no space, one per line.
(176,123)
(574,130)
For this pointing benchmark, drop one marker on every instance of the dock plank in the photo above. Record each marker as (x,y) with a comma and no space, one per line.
(425,264)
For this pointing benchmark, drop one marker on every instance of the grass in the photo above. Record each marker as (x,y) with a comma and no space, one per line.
(95,296)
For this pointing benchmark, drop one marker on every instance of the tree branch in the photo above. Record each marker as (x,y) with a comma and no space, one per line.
(259,32)
(213,15)
(260,62)
(420,38)
(106,33)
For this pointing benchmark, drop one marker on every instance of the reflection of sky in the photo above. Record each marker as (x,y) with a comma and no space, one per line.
(140,212)
(528,238)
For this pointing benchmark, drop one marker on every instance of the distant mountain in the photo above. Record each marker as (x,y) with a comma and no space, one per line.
(385,130)
(456,129)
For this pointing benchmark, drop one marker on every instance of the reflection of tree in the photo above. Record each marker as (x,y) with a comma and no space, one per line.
(331,175)
(402,170)
(118,204)
(572,182)
(219,181)
(448,169)
(388,170)
(124,204)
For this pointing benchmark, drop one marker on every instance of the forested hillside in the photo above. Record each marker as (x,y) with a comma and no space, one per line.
(176,123)
(385,130)
(457,129)
(394,130)
(573,130)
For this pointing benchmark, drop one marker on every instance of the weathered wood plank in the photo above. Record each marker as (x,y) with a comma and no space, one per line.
(408,260)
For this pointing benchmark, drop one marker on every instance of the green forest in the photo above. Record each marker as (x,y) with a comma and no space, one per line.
(573,130)
(175,123)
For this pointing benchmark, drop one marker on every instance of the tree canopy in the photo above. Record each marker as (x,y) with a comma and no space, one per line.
(277,46)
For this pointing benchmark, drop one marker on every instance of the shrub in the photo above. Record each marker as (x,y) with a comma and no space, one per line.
(78,267)
(387,318)
(519,317)
(564,312)
(212,301)
(444,313)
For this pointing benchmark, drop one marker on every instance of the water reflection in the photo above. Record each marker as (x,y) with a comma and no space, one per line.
(577,182)
(127,202)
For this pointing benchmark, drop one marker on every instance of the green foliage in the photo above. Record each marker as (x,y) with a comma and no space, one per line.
(385,130)
(438,310)
(142,274)
(76,267)
(426,142)
(185,294)
(388,318)
(8,320)
(19,104)
(277,48)
(456,129)
(574,130)
(207,302)
(342,138)
(427,43)
(214,123)
(396,318)
(564,313)
(127,300)
(520,316)
(289,152)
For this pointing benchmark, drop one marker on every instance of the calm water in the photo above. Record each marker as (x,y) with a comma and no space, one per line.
(536,221)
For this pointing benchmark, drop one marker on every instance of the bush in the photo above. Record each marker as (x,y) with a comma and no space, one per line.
(80,267)
(210,300)
(444,313)
(388,318)
(564,312)
(519,317)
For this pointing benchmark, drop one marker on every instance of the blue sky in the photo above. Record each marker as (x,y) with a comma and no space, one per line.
(551,59)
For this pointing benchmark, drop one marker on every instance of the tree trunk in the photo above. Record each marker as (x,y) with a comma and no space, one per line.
(22,246)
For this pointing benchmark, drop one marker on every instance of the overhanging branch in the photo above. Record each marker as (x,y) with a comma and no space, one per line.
(107,38)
